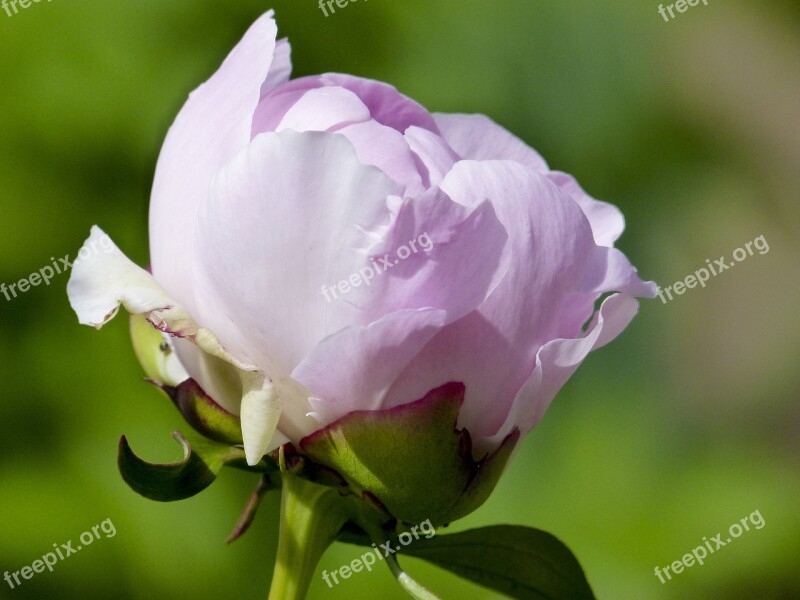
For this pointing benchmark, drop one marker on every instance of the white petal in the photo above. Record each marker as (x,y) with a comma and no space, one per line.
(261,410)
(103,278)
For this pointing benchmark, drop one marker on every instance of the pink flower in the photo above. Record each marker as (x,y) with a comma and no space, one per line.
(281,224)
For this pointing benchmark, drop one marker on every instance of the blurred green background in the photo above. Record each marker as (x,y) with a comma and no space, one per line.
(684,425)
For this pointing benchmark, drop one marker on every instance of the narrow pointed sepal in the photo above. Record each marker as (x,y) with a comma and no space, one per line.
(175,481)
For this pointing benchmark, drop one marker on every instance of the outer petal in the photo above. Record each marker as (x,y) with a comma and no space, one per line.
(477,137)
(212,126)
(281,68)
(102,281)
(261,410)
(606,219)
(556,273)
(312,233)
(493,350)
(608,269)
(373,357)
(557,360)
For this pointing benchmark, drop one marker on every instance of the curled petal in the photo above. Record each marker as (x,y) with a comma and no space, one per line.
(557,360)
(607,220)
(107,278)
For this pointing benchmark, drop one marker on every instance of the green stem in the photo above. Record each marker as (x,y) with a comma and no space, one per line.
(311,516)
(411,586)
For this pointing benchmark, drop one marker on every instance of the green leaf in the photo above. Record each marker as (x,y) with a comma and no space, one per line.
(201,462)
(521,562)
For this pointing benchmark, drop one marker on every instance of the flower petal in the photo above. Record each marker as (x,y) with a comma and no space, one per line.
(281,68)
(298,227)
(556,361)
(493,350)
(433,152)
(212,126)
(325,108)
(320,238)
(261,410)
(609,270)
(101,281)
(386,105)
(606,219)
(477,137)
(386,149)
(373,356)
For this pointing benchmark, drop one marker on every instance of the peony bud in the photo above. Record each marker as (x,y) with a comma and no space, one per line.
(325,246)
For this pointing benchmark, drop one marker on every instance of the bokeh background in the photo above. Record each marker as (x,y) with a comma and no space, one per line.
(685,424)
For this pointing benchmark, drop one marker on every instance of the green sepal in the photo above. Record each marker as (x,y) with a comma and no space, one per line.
(488,474)
(411,459)
(201,412)
(521,562)
(202,460)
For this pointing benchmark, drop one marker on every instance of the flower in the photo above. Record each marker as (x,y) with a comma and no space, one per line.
(326,245)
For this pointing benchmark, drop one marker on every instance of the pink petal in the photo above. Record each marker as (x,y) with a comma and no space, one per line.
(318,233)
(556,361)
(386,105)
(606,219)
(353,369)
(292,203)
(211,127)
(493,350)
(386,149)
(323,109)
(477,137)
(433,152)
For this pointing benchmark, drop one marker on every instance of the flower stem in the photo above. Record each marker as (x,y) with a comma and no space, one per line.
(311,516)
(412,587)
